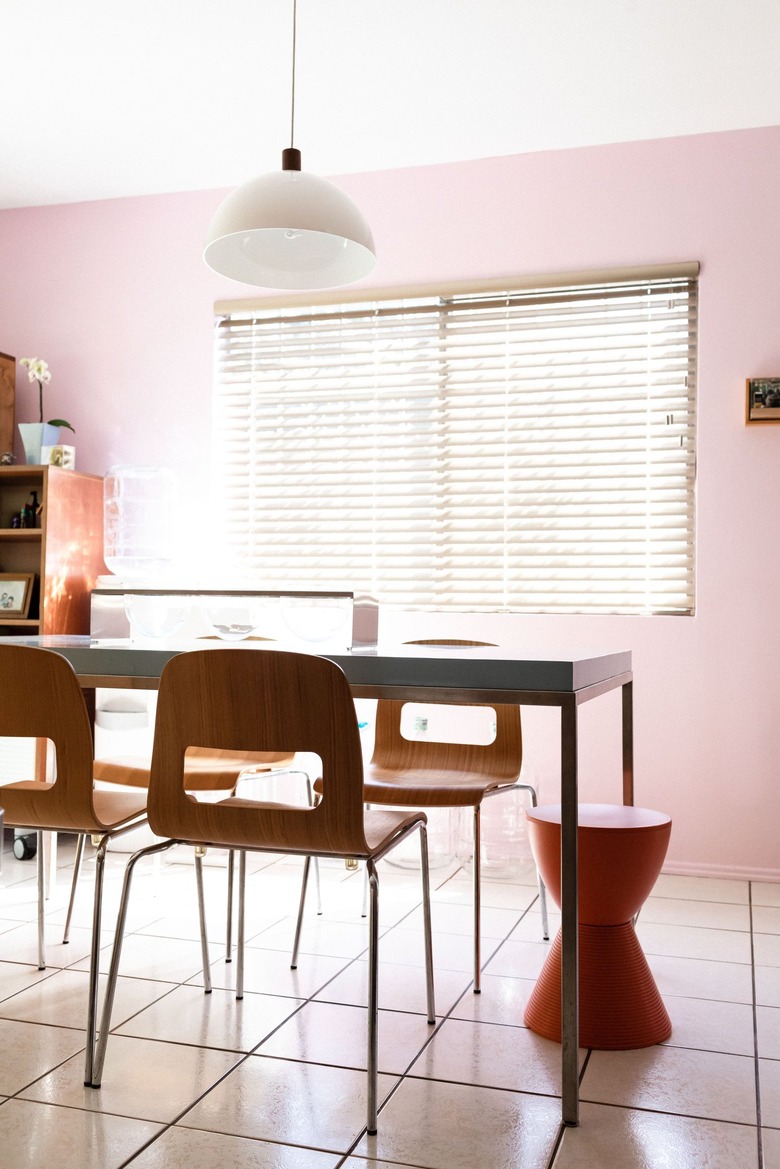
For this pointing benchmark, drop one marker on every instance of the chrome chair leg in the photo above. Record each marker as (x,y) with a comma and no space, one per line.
(96,1059)
(74,884)
(539,881)
(317,885)
(94,961)
(543,906)
(241,924)
(427,924)
(41,866)
(312,801)
(229,911)
(372,1058)
(372,1054)
(475,873)
(301,904)
(527,787)
(304,887)
(204,941)
(364,910)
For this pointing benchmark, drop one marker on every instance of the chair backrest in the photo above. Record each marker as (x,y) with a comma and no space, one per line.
(502,758)
(40,698)
(258,700)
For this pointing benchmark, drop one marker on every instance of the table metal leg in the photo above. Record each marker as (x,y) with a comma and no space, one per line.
(569,917)
(627,693)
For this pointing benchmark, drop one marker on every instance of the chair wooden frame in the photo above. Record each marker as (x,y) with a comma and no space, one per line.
(270,700)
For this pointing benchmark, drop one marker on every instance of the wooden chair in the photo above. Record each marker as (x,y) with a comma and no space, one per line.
(40,698)
(428,774)
(205,772)
(269,700)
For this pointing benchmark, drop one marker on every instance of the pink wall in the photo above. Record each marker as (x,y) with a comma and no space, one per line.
(116,298)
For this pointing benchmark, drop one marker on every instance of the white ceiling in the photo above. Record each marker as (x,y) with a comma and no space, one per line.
(103,98)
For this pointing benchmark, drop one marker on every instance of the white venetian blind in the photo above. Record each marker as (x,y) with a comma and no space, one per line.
(523,450)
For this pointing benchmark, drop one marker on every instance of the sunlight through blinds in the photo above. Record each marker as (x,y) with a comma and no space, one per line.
(531,450)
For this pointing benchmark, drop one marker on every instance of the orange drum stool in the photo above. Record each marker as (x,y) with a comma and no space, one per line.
(621,850)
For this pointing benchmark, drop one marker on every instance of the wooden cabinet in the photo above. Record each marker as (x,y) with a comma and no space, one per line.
(7,398)
(64,550)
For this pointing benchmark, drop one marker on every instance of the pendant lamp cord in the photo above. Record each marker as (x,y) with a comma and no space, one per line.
(292,102)
(291,158)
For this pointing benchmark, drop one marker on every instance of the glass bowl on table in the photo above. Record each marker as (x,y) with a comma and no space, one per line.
(237,617)
(319,618)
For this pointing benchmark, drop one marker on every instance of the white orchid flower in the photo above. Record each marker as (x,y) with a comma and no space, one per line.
(38,370)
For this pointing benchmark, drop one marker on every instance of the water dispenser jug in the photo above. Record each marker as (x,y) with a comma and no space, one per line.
(138,521)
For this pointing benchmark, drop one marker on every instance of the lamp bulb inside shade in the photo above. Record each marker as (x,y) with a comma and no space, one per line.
(290,230)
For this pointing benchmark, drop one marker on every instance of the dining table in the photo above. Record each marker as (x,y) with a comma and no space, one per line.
(426,673)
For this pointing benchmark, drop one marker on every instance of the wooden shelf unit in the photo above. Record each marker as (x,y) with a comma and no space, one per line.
(64,550)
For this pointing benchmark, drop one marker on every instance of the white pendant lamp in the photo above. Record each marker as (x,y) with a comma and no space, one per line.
(290,229)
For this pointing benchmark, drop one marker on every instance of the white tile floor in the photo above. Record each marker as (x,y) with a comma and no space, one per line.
(277,1081)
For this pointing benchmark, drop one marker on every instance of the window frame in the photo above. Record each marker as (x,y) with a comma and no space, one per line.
(552,287)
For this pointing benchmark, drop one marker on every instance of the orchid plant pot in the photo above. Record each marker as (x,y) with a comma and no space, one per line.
(34,436)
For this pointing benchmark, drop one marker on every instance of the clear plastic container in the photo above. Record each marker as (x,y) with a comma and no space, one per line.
(139,506)
(155,616)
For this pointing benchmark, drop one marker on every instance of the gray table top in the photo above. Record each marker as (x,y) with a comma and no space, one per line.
(472,668)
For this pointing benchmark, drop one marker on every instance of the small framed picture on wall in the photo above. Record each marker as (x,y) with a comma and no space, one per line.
(763,399)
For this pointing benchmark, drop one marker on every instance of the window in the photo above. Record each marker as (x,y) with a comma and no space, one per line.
(520,449)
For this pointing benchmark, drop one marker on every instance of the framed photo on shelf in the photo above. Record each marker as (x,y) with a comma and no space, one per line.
(15,594)
(763,399)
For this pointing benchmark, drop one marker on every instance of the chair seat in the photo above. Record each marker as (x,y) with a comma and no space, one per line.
(210,771)
(115,808)
(111,809)
(380,826)
(434,789)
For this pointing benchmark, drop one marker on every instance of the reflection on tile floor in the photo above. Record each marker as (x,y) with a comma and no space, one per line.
(276,1081)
